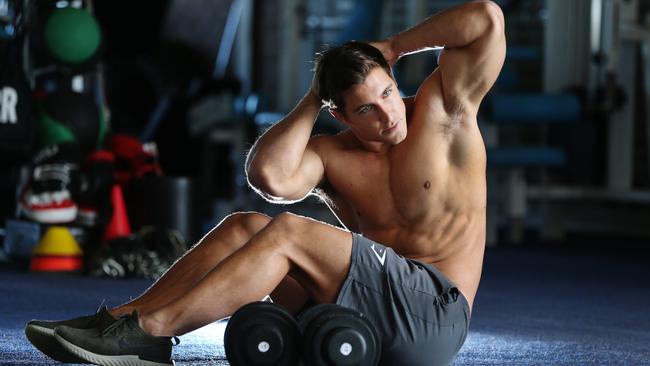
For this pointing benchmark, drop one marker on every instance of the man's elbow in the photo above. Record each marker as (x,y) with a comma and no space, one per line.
(259,180)
(494,15)
(258,174)
(276,196)
(272,189)
(262,187)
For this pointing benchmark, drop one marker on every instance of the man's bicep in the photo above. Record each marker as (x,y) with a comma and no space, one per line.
(468,73)
(309,174)
(312,169)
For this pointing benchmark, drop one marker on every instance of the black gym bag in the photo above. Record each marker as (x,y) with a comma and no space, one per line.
(17,113)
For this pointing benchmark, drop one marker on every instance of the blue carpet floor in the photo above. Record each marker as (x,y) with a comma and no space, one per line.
(534,307)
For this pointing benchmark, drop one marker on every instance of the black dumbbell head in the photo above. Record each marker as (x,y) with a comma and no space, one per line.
(335,335)
(307,315)
(262,333)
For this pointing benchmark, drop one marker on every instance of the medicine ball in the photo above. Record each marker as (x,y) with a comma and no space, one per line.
(72,36)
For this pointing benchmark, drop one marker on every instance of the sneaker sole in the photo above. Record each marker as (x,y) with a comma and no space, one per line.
(51,216)
(104,360)
(43,340)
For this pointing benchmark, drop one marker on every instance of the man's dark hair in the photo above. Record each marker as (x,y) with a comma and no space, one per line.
(339,68)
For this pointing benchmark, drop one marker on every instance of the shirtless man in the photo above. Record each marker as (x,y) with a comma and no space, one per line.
(409,174)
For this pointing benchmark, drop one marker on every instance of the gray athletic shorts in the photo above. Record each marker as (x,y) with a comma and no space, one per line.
(421,317)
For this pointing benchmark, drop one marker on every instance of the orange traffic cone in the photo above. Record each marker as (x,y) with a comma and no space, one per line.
(118,226)
(57,251)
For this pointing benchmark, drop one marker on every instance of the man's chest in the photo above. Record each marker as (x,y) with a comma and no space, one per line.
(388,190)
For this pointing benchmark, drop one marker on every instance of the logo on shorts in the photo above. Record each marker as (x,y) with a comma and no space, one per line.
(381,257)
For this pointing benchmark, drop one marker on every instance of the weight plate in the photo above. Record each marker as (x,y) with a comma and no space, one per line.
(335,335)
(262,333)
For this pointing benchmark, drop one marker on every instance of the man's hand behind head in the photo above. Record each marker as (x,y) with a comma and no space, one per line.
(385,48)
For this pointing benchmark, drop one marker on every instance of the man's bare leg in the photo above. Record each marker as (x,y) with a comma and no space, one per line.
(226,238)
(316,254)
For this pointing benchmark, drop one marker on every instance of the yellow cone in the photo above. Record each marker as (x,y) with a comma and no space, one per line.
(57,241)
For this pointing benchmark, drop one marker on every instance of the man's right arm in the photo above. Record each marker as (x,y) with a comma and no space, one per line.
(283,164)
(474,50)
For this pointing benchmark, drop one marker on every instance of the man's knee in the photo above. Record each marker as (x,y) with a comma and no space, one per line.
(286,219)
(287,223)
(294,230)
(247,223)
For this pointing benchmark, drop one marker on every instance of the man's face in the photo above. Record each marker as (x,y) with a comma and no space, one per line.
(374,110)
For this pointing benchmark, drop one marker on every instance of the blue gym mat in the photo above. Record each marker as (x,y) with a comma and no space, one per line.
(534,307)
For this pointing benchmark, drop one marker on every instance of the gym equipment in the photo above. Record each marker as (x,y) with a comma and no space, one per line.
(335,335)
(21,237)
(12,19)
(50,193)
(57,251)
(526,156)
(118,226)
(95,188)
(68,116)
(17,112)
(534,108)
(166,202)
(262,333)
(228,39)
(72,36)
(133,159)
(146,254)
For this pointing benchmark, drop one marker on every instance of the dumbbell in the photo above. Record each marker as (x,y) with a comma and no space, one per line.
(333,335)
(262,333)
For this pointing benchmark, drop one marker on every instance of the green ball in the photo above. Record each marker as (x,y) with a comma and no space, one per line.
(72,35)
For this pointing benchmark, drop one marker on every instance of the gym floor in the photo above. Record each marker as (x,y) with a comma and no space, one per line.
(537,305)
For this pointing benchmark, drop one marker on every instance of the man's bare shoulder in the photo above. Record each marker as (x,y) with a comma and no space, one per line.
(325,144)
(331,149)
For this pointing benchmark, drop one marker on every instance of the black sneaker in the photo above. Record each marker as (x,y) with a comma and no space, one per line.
(123,343)
(41,333)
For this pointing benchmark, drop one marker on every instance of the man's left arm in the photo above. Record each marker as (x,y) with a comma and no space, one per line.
(474,44)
